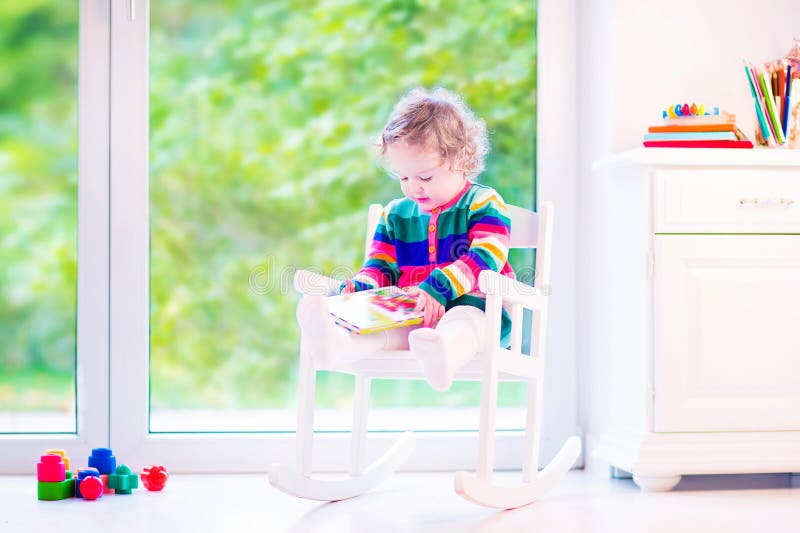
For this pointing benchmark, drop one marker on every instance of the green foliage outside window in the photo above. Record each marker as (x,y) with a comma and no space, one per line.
(38,204)
(261,121)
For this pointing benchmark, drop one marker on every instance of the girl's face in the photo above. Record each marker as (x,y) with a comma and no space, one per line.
(424,177)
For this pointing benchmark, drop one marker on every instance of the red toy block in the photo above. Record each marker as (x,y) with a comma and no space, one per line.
(154,477)
(82,474)
(91,488)
(106,488)
(51,468)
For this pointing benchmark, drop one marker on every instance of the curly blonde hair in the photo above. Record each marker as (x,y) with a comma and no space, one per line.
(440,121)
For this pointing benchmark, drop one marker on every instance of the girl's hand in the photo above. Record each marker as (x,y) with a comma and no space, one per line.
(427,304)
(412,290)
(349,287)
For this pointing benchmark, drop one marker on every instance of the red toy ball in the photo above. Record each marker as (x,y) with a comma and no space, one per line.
(91,488)
(154,477)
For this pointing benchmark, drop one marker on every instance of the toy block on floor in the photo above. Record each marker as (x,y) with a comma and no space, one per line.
(123,481)
(56,490)
(60,452)
(91,488)
(103,460)
(51,468)
(106,488)
(154,477)
(83,473)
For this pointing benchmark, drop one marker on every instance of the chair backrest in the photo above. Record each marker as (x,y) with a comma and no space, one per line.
(529,229)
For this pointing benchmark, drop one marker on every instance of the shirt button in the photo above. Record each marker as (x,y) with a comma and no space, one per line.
(431,249)
(431,228)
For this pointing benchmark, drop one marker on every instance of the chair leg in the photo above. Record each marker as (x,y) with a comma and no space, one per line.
(487,423)
(307,380)
(362,478)
(358,442)
(533,427)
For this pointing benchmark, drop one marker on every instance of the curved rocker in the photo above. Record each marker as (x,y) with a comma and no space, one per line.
(489,495)
(290,481)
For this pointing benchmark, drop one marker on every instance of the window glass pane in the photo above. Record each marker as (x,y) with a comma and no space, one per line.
(261,118)
(38,215)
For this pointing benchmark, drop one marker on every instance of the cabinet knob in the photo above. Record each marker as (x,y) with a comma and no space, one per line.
(782,202)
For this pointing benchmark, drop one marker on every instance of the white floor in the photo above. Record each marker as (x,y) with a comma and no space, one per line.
(583,503)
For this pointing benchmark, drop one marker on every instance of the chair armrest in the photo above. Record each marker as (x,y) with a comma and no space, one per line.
(510,290)
(307,282)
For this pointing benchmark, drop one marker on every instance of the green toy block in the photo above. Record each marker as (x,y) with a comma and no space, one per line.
(57,490)
(123,481)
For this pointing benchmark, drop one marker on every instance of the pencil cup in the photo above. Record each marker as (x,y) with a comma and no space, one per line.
(759,138)
(793,126)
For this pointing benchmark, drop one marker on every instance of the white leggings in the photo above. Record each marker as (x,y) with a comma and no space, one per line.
(441,351)
(456,323)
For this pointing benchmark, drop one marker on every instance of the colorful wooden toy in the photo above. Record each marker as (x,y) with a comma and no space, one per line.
(123,482)
(103,460)
(60,452)
(91,488)
(60,490)
(51,468)
(154,477)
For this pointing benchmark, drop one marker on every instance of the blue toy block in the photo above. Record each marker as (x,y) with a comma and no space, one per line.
(103,461)
(82,474)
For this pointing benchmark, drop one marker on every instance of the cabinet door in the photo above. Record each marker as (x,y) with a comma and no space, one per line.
(727,333)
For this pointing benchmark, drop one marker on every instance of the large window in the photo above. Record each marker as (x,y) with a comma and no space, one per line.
(261,117)
(145,288)
(38,216)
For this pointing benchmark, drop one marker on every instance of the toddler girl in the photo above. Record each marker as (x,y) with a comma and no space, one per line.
(433,243)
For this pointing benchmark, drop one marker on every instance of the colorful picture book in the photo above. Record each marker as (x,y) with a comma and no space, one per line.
(691,136)
(698,144)
(691,126)
(374,310)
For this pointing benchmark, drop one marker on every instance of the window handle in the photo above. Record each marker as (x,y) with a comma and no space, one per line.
(132,6)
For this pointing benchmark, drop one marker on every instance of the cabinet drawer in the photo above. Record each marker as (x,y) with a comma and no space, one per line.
(727,201)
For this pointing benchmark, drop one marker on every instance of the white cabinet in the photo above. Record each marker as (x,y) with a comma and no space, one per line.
(693,336)
(727,333)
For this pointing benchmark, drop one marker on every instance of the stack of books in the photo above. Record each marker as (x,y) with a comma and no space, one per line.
(692,127)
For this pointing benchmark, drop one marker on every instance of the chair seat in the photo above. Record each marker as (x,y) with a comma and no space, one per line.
(400,364)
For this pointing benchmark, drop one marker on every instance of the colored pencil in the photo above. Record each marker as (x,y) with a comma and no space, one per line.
(787,101)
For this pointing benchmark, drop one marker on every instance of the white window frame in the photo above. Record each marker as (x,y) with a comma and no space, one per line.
(129,283)
(20,452)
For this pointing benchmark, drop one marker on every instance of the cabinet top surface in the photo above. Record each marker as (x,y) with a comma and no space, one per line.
(701,157)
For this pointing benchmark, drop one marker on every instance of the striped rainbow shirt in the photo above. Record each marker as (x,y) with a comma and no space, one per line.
(442,251)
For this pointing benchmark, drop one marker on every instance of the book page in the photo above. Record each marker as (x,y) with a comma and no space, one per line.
(374,310)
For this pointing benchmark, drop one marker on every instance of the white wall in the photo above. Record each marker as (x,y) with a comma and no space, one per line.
(634,59)
(556,178)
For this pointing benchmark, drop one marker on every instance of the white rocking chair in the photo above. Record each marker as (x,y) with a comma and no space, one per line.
(493,363)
